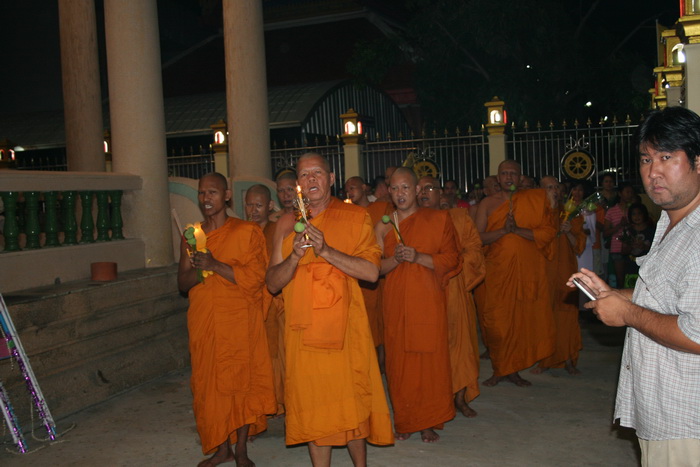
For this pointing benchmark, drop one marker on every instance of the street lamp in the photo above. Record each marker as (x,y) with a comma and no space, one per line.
(496,115)
(352,126)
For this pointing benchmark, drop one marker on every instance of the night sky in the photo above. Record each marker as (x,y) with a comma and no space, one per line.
(30,55)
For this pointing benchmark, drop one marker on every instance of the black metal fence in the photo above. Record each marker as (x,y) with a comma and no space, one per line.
(609,144)
(463,157)
(285,156)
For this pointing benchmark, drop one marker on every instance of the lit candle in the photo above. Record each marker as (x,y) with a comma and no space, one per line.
(348,201)
(302,208)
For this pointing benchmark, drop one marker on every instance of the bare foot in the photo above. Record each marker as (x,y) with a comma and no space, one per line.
(223,454)
(538,370)
(485,355)
(466,410)
(493,380)
(244,461)
(571,369)
(402,436)
(516,379)
(462,406)
(429,436)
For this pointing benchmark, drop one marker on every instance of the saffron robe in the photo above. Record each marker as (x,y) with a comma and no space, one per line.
(231,371)
(334,392)
(372,291)
(565,299)
(274,327)
(415,323)
(461,311)
(517,314)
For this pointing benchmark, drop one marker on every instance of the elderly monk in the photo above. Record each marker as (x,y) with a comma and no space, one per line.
(518,229)
(569,243)
(258,207)
(334,393)
(286,191)
(415,316)
(461,312)
(355,189)
(231,371)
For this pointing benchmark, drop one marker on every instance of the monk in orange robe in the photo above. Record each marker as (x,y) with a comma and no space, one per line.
(518,229)
(334,393)
(491,187)
(231,371)
(569,243)
(461,311)
(418,265)
(356,190)
(258,207)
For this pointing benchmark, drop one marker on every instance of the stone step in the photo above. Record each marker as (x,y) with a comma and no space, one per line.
(89,341)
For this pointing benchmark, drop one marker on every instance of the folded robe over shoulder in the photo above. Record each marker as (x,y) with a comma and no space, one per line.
(415,323)
(231,370)
(333,389)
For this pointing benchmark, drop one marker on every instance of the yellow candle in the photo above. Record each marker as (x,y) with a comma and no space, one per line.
(200,237)
(302,208)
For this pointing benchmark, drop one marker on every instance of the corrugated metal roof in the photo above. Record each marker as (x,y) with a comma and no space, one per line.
(289,107)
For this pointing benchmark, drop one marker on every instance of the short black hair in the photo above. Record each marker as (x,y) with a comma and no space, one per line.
(672,129)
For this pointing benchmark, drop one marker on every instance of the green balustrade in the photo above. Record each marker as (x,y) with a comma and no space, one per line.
(11,230)
(22,216)
(87,225)
(117,223)
(102,216)
(70,225)
(51,223)
(31,228)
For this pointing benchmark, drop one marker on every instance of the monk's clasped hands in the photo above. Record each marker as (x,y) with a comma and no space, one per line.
(404,253)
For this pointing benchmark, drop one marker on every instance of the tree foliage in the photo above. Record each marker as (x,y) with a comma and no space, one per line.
(544,58)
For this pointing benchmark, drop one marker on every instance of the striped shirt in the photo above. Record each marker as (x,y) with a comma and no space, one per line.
(659,388)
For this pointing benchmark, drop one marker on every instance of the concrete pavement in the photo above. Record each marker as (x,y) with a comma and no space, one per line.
(561,420)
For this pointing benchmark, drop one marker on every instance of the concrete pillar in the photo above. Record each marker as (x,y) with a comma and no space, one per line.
(354,162)
(497,152)
(138,122)
(246,89)
(692,76)
(80,70)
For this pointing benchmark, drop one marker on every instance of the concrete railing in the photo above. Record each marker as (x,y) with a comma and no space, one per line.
(43,242)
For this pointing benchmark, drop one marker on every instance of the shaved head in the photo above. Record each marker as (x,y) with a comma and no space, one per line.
(312,155)
(406,171)
(429,180)
(219,178)
(511,164)
(289,175)
(261,190)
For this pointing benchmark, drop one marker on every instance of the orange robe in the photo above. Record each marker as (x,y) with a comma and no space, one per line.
(517,313)
(372,292)
(415,323)
(461,312)
(565,299)
(231,371)
(274,327)
(334,392)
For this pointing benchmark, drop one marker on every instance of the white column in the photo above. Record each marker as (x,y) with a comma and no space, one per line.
(246,89)
(692,76)
(80,71)
(497,152)
(138,122)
